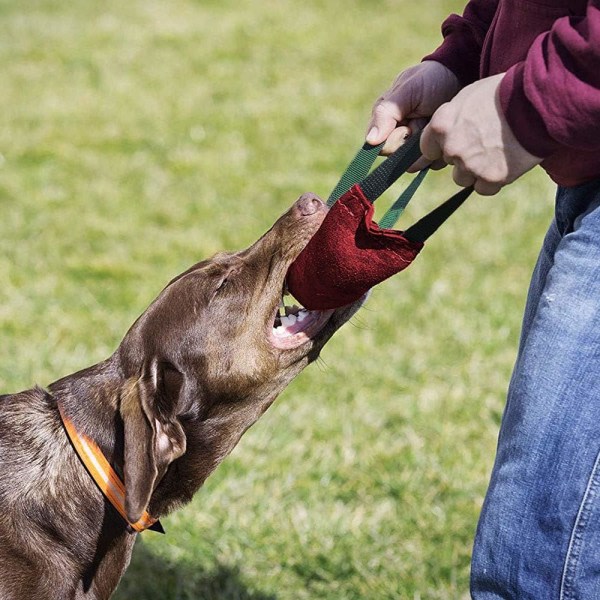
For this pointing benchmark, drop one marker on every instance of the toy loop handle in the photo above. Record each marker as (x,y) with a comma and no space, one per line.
(374,184)
(385,175)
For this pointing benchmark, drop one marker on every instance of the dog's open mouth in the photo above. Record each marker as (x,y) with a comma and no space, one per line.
(294,325)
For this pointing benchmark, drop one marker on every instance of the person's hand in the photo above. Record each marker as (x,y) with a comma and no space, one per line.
(471,133)
(413,97)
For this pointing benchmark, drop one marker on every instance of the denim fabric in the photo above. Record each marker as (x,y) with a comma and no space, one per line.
(538,536)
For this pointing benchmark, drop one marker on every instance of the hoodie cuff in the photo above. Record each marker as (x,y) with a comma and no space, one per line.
(522,116)
(459,51)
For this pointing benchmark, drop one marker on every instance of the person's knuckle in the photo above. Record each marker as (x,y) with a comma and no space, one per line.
(493,176)
(454,153)
(451,149)
(382,107)
(441,118)
(438,125)
(376,110)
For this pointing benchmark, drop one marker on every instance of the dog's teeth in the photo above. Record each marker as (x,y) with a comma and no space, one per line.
(292,310)
(288,321)
(302,314)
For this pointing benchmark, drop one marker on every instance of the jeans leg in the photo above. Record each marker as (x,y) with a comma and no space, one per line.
(538,536)
(538,279)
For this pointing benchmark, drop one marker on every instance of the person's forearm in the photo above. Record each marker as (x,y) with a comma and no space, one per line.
(551,100)
(463,40)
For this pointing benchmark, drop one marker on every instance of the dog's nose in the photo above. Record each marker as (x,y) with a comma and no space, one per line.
(308,204)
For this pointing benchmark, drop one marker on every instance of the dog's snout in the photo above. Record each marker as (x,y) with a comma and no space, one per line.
(308,204)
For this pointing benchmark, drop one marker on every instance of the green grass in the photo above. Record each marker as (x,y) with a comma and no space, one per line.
(139,137)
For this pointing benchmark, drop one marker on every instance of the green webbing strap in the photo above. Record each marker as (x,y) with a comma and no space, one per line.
(375,183)
(393,214)
(356,171)
(380,179)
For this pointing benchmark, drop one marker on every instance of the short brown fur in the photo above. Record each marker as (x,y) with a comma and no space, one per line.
(193,373)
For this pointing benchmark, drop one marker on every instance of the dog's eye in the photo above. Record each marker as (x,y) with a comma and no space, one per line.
(225,279)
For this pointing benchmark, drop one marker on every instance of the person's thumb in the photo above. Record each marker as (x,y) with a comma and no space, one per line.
(384,119)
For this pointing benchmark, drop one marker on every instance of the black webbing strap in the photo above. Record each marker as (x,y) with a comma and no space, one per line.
(384,176)
(430,223)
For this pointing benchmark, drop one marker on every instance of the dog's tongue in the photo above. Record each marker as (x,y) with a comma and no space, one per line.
(348,255)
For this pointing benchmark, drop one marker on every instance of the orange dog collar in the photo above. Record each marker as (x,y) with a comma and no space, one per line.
(104,475)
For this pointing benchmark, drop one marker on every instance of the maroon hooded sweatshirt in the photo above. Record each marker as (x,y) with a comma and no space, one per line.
(550,95)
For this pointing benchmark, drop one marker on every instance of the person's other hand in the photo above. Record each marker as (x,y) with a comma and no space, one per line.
(471,133)
(413,97)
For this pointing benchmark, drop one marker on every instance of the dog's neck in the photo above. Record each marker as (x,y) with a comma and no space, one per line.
(90,398)
(56,502)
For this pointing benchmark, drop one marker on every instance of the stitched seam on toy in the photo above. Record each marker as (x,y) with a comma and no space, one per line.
(341,205)
(404,260)
(347,209)
(567,591)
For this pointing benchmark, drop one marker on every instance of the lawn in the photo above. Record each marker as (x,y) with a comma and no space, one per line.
(139,137)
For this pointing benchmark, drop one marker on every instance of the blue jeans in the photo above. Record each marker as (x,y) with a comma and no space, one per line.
(538,536)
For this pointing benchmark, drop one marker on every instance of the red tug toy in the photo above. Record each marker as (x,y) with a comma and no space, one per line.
(351,253)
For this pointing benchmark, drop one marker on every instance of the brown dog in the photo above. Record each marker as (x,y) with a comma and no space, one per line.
(195,371)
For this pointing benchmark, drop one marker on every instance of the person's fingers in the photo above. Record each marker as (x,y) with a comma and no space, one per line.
(438,165)
(465,179)
(385,118)
(487,188)
(417,124)
(462,177)
(399,136)
(396,139)
(419,165)
(430,145)
(423,162)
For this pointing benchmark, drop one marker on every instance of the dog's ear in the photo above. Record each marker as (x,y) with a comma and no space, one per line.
(152,434)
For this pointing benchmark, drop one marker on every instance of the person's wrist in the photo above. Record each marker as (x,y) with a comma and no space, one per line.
(444,77)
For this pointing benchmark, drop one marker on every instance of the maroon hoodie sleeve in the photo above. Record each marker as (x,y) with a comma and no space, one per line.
(551,100)
(463,40)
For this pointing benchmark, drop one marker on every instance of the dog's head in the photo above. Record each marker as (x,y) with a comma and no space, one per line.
(212,353)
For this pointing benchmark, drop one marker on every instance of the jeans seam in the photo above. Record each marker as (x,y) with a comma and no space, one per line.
(575,543)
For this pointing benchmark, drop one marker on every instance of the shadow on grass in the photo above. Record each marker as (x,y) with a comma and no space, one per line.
(150,577)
